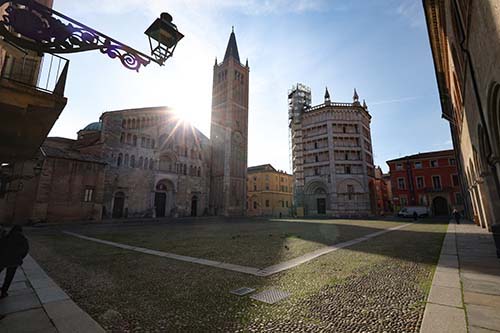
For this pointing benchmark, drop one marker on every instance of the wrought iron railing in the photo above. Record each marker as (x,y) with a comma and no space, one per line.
(40,73)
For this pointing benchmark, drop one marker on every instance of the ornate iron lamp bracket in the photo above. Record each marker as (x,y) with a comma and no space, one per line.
(35,27)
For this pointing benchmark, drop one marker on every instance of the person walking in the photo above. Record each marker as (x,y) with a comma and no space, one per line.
(456,215)
(13,248)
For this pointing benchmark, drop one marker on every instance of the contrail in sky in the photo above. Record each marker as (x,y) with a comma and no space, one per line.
(399,100)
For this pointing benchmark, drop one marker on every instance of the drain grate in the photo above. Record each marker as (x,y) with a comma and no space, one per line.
(271,296)
(242,291)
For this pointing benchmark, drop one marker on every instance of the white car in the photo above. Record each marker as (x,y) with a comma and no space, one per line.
(421,211)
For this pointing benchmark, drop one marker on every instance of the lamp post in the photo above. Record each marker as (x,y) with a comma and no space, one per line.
(30,25)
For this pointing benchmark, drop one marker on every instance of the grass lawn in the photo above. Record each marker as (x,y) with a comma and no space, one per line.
(375,285)
(250,242)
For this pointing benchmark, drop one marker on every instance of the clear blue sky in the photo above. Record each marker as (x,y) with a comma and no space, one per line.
(378,46)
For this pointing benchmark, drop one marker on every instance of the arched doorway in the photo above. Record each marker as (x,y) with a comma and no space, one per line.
(316,198)
(320,201)
(194,206)
(164,198)
(118,205)
(440,206)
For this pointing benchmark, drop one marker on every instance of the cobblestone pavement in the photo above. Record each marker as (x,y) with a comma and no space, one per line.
(388,298)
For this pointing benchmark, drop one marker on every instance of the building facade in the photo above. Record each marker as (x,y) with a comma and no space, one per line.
(427,179)
(270,192)
(59,184)
(229,133)
(151,163)
(158,165)
(332,155)
(465,45)
(31,100)
(382,193)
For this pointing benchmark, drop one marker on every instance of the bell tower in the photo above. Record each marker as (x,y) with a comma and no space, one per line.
(229,133)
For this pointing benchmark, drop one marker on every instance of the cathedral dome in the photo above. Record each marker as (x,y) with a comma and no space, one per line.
(93,126)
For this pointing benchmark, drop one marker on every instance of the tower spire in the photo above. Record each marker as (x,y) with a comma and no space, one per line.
(327,96)
(355,97)
(232,47)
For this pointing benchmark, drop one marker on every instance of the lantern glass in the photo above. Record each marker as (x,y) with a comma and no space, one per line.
(166,35)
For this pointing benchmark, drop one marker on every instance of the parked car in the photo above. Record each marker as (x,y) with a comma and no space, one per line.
(410,211)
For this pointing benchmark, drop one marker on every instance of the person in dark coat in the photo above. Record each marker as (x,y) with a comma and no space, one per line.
(456,216)
(13,248)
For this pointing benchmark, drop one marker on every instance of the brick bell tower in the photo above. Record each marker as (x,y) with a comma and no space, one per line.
(229,134)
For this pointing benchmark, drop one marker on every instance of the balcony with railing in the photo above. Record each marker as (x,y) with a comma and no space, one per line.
(31,100)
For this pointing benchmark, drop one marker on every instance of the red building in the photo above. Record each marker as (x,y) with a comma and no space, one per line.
(382,193)
(426,179)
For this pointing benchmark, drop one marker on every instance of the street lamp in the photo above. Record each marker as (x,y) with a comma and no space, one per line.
(30,25)
(166,35)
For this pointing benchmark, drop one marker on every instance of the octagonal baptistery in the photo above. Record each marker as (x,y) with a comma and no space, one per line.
(331,155)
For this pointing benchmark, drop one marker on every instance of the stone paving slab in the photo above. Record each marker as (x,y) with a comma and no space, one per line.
(444,310)
(443,319)
(68,317)
(445,296)
(474,329)
(478,272)
(244,269)
(483,316)
(481,299)
(34,305)
(447,279)
(51,294)
(30,321)
(16,303)
(480,286)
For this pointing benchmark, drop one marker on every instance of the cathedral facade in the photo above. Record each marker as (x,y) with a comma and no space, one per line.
(150,163)
(157,164)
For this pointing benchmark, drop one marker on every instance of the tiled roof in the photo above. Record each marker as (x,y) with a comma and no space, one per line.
(425,155)
(62,148)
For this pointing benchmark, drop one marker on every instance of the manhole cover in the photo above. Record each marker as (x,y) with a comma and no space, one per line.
(270,296)
(242,291)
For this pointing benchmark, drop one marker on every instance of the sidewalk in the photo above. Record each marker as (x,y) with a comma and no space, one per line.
(36,304)
(465,291)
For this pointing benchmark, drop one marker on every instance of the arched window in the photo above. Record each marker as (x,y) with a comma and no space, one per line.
(135,140)
(150,164)
(125,162)
(152,143)
(129,138)
(132,161)
(143,140)
(140,163)
(129,123)
(199,172)
(133,123)
(122,138)
(124,123)
(119,160)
